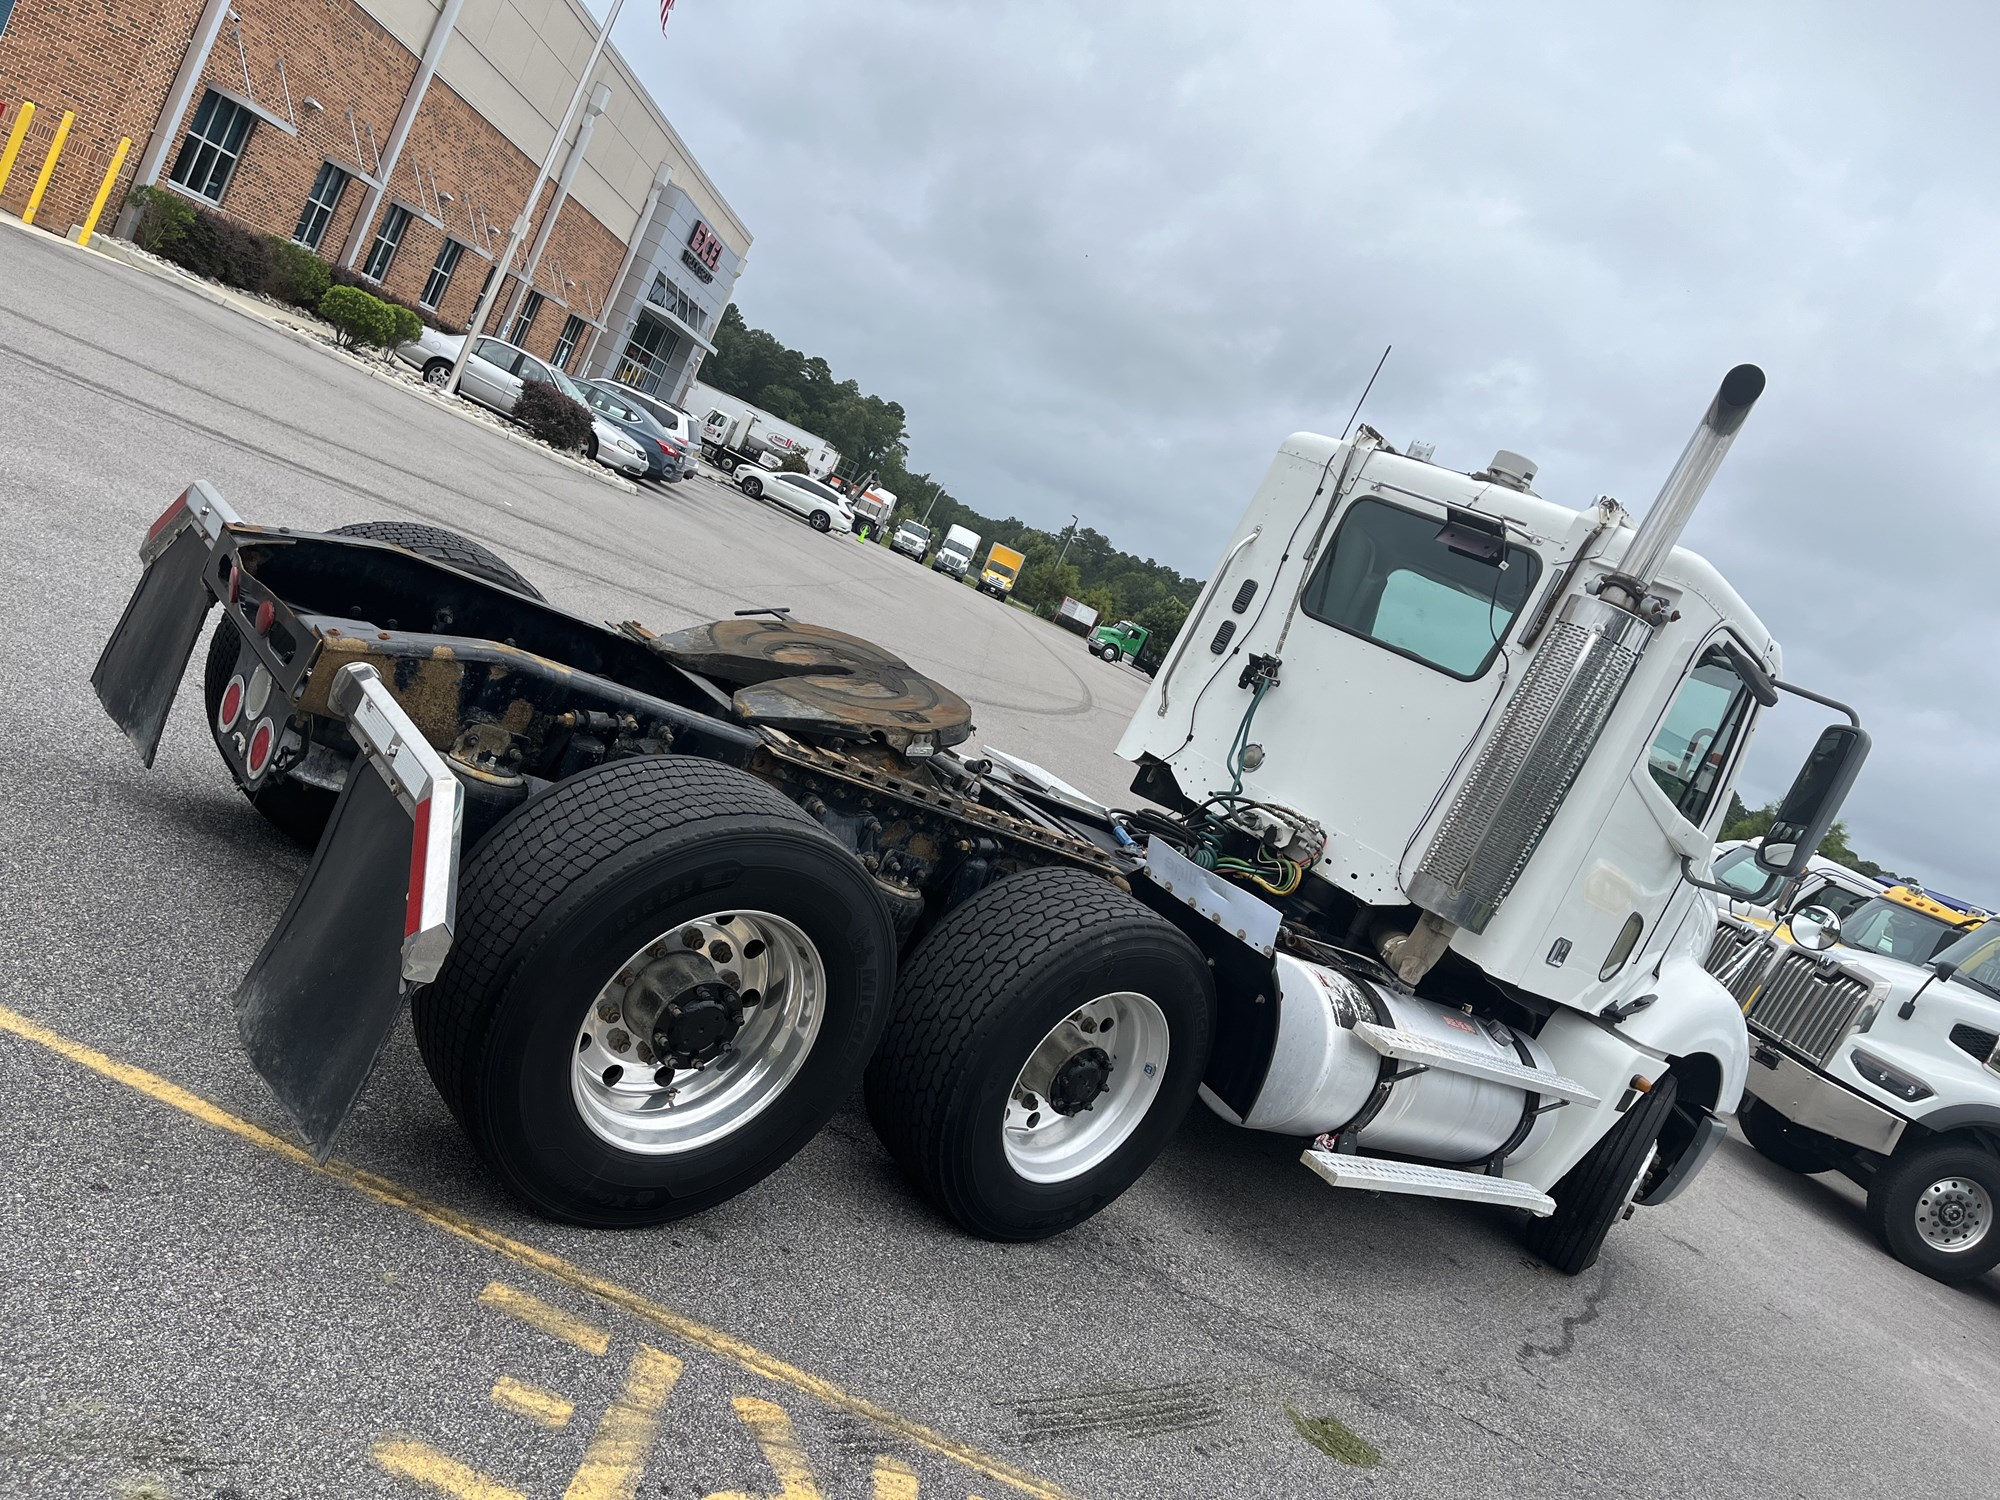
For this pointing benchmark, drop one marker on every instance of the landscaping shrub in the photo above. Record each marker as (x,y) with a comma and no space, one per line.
(163,220)
(404,325)
(344,277)
(551,416)
(793,463)
(358,317)
(223,251)
(297,275)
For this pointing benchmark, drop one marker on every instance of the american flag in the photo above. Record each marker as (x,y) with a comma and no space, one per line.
(666,9)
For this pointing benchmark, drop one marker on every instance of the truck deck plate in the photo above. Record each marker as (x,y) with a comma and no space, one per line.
(1407,1046)
(1420,1181)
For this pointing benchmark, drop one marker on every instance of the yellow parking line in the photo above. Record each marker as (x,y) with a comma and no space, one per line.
(553,1321)
(616,1458)
(532,1402)
(772,1429)
(894,1479)
(636,1304)
(423,1463)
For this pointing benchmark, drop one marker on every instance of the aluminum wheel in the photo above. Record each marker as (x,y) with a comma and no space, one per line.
(1085,1087)
(698,1032)
(1954,1214)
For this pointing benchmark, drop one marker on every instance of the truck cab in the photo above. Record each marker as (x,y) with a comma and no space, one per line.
(1877,1056)
(1002,571)
(955,552)
(911,539)
(1121,642)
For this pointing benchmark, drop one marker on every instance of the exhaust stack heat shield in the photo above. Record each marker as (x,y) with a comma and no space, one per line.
(1524,771)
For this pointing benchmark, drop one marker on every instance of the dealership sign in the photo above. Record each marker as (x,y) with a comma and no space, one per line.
(703,255)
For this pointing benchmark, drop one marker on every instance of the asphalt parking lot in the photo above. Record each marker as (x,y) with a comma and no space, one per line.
(189,1309)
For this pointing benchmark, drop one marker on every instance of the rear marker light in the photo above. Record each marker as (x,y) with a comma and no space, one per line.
(267,616)
(263,739)
(232,703)
(167,516)
(258,693)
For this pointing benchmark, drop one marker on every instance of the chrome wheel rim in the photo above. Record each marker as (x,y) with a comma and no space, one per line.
(1954,1214)
(1046,1144)
(633,1097)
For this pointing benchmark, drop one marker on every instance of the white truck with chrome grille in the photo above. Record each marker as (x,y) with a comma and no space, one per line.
(1876,1054)
(1431,778)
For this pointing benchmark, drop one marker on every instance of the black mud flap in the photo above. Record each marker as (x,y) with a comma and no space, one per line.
(318,1005)
(140,669)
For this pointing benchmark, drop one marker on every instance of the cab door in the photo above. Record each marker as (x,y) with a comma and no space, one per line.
(1668,806)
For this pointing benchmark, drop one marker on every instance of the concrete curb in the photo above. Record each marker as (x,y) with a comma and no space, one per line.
(126,254)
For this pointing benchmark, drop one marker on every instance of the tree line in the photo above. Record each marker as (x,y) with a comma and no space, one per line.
(872,437)
(1754,822)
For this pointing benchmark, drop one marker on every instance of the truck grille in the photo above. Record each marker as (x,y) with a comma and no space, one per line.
(1803,1005)
(1729,941)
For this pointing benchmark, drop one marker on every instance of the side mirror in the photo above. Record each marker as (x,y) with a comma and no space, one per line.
(1815,929)
(1944,968)
(1810,807)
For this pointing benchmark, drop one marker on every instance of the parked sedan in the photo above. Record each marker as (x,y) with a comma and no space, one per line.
(493,376)
(825,508)
(666,458)
(684,429)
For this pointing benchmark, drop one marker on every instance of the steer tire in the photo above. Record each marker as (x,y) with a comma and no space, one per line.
(1779,1141)
(1900,1191)
(1597,1190)
(978,998)
(295,808)
(558,900)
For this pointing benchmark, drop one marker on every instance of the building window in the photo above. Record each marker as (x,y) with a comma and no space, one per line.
(213,146)
(6,10)
(382,254)
(647,354)
(440,278)
(665,294)
(320,204)
(524,323)
(572,335)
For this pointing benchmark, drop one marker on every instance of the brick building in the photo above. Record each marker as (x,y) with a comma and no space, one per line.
(398,138)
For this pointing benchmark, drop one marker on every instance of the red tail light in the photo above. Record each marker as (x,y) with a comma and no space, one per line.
(167,517)
(263,740)
(231,705)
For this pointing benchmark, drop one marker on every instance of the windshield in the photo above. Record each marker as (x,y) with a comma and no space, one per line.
(1739,871)
(919,533)
(1977,956)
(1896,931)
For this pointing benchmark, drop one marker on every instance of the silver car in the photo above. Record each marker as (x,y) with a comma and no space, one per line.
(493,376)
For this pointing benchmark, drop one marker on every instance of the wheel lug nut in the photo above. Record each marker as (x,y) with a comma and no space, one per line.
(643,1052)
(691,937)
(720,951)
(730,978)
(608,1011)
(1086,1025)
(618,1041)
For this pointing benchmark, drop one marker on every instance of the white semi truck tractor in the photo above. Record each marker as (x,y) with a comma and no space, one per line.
(1875,1053)
(1421,877)
(1442,762)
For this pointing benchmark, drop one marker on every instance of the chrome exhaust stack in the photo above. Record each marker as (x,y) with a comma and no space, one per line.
(1552,722)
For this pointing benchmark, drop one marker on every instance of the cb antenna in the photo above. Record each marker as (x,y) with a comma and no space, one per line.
(1365,390)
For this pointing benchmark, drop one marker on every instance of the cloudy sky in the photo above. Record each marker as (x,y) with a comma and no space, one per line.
(1108,254)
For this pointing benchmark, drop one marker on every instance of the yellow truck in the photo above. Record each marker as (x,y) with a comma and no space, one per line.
(1003,568)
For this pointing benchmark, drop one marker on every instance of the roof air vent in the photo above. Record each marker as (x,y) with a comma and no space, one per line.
(1510,469)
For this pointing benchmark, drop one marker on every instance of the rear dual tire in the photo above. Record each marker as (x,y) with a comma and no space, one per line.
(561,902)
(997,980)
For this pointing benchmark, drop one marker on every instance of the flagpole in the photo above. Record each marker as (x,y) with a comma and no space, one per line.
(521,220)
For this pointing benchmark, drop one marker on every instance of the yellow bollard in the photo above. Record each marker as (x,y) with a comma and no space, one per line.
(48,167)
(14,137)
(104,192)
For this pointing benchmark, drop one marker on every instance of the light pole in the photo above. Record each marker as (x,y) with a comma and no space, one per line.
(1067,534)
(936,490)
(522,219)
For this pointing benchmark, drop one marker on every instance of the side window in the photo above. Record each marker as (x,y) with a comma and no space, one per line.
(1694,744)
(212,147)
(1440,591)
(1838,899)
(496,353)
(534,369)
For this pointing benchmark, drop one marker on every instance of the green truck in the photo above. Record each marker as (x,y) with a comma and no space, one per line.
(1124,640)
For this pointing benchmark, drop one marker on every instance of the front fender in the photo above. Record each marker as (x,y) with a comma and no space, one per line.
(1695,1014)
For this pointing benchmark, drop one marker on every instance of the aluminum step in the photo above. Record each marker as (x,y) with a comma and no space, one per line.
(1380,1176)
(1407,1046)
